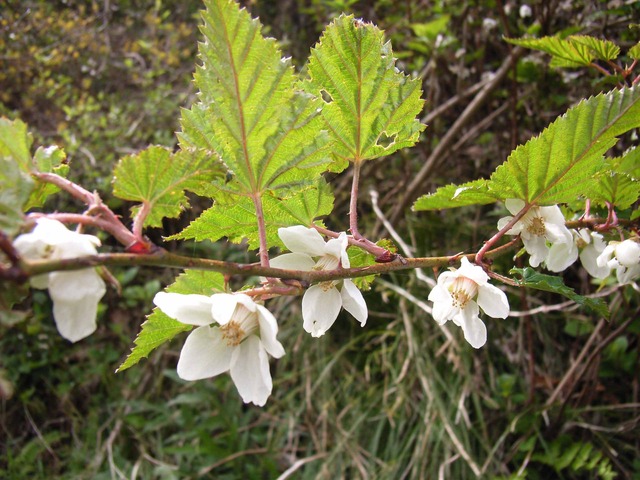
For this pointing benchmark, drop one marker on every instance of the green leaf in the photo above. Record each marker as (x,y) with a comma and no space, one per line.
(431,29)
(159,328)
(15,142)
(451,196)
(634,52)
(370,107)
(601,49)
(237,221)
(560,163)
(629,163)
(250,111)
(50,160)
(158,179)
(548,283)
(564,51)
(361,258)
(15,189)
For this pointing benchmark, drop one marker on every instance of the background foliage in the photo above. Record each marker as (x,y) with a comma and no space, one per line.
(553,394)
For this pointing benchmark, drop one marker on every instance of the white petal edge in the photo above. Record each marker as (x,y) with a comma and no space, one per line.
(320,309)
(474,329)
(205,354)
(268,332)
(300,239)
(353,302)
(250,371)
(191,309)
(293,261)
(493,301)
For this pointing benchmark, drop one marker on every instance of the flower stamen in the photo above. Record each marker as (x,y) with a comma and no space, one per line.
(537,227)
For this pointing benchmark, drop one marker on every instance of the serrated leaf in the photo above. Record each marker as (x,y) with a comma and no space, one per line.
(370,107)
(629,163)
(452,196)
(361,258)
(549,283)
(267,132)
(158,178)
(15,189)
(15,142)
(634,52)
(601,49)
(564,52)
(237,221)
(50,160)
(616,186)
(560,163)
(159,328)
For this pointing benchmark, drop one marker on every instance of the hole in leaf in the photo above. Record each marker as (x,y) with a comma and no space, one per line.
(326,96)
(385,141)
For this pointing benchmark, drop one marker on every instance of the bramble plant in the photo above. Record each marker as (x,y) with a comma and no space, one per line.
(257,143)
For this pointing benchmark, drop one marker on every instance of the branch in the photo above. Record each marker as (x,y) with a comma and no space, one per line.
(163,258)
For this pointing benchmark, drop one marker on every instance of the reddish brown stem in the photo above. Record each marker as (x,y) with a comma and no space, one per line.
(492,241)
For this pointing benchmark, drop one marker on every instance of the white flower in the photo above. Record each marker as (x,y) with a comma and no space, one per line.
(458,295)
(536,227)
(75,294)
(245,333)
(525,11)
(586,244)
(322,302)
(624,257)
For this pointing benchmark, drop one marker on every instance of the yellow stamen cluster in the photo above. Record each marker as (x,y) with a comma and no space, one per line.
(537,227)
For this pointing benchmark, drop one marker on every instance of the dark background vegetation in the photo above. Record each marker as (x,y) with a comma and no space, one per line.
(554,394)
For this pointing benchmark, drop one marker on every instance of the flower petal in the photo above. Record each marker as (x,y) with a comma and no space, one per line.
(293,261)
(337,247)
(472,271)
(514,205)
(474,329)
(76,319)
(250,371)
(353,302)
(627,274)
(628,253)
(589,260)
(75,297)
(205,354)
(561,256)
(268,332)
(493,301)
(443,308)
(320,308)
(299,239)
(537,248)
(190,309)
(223,305)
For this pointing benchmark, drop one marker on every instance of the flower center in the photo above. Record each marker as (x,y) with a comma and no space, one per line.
(233,333)
(581,243)
(326,286)
(242,324)
(462,291)
(537,227)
